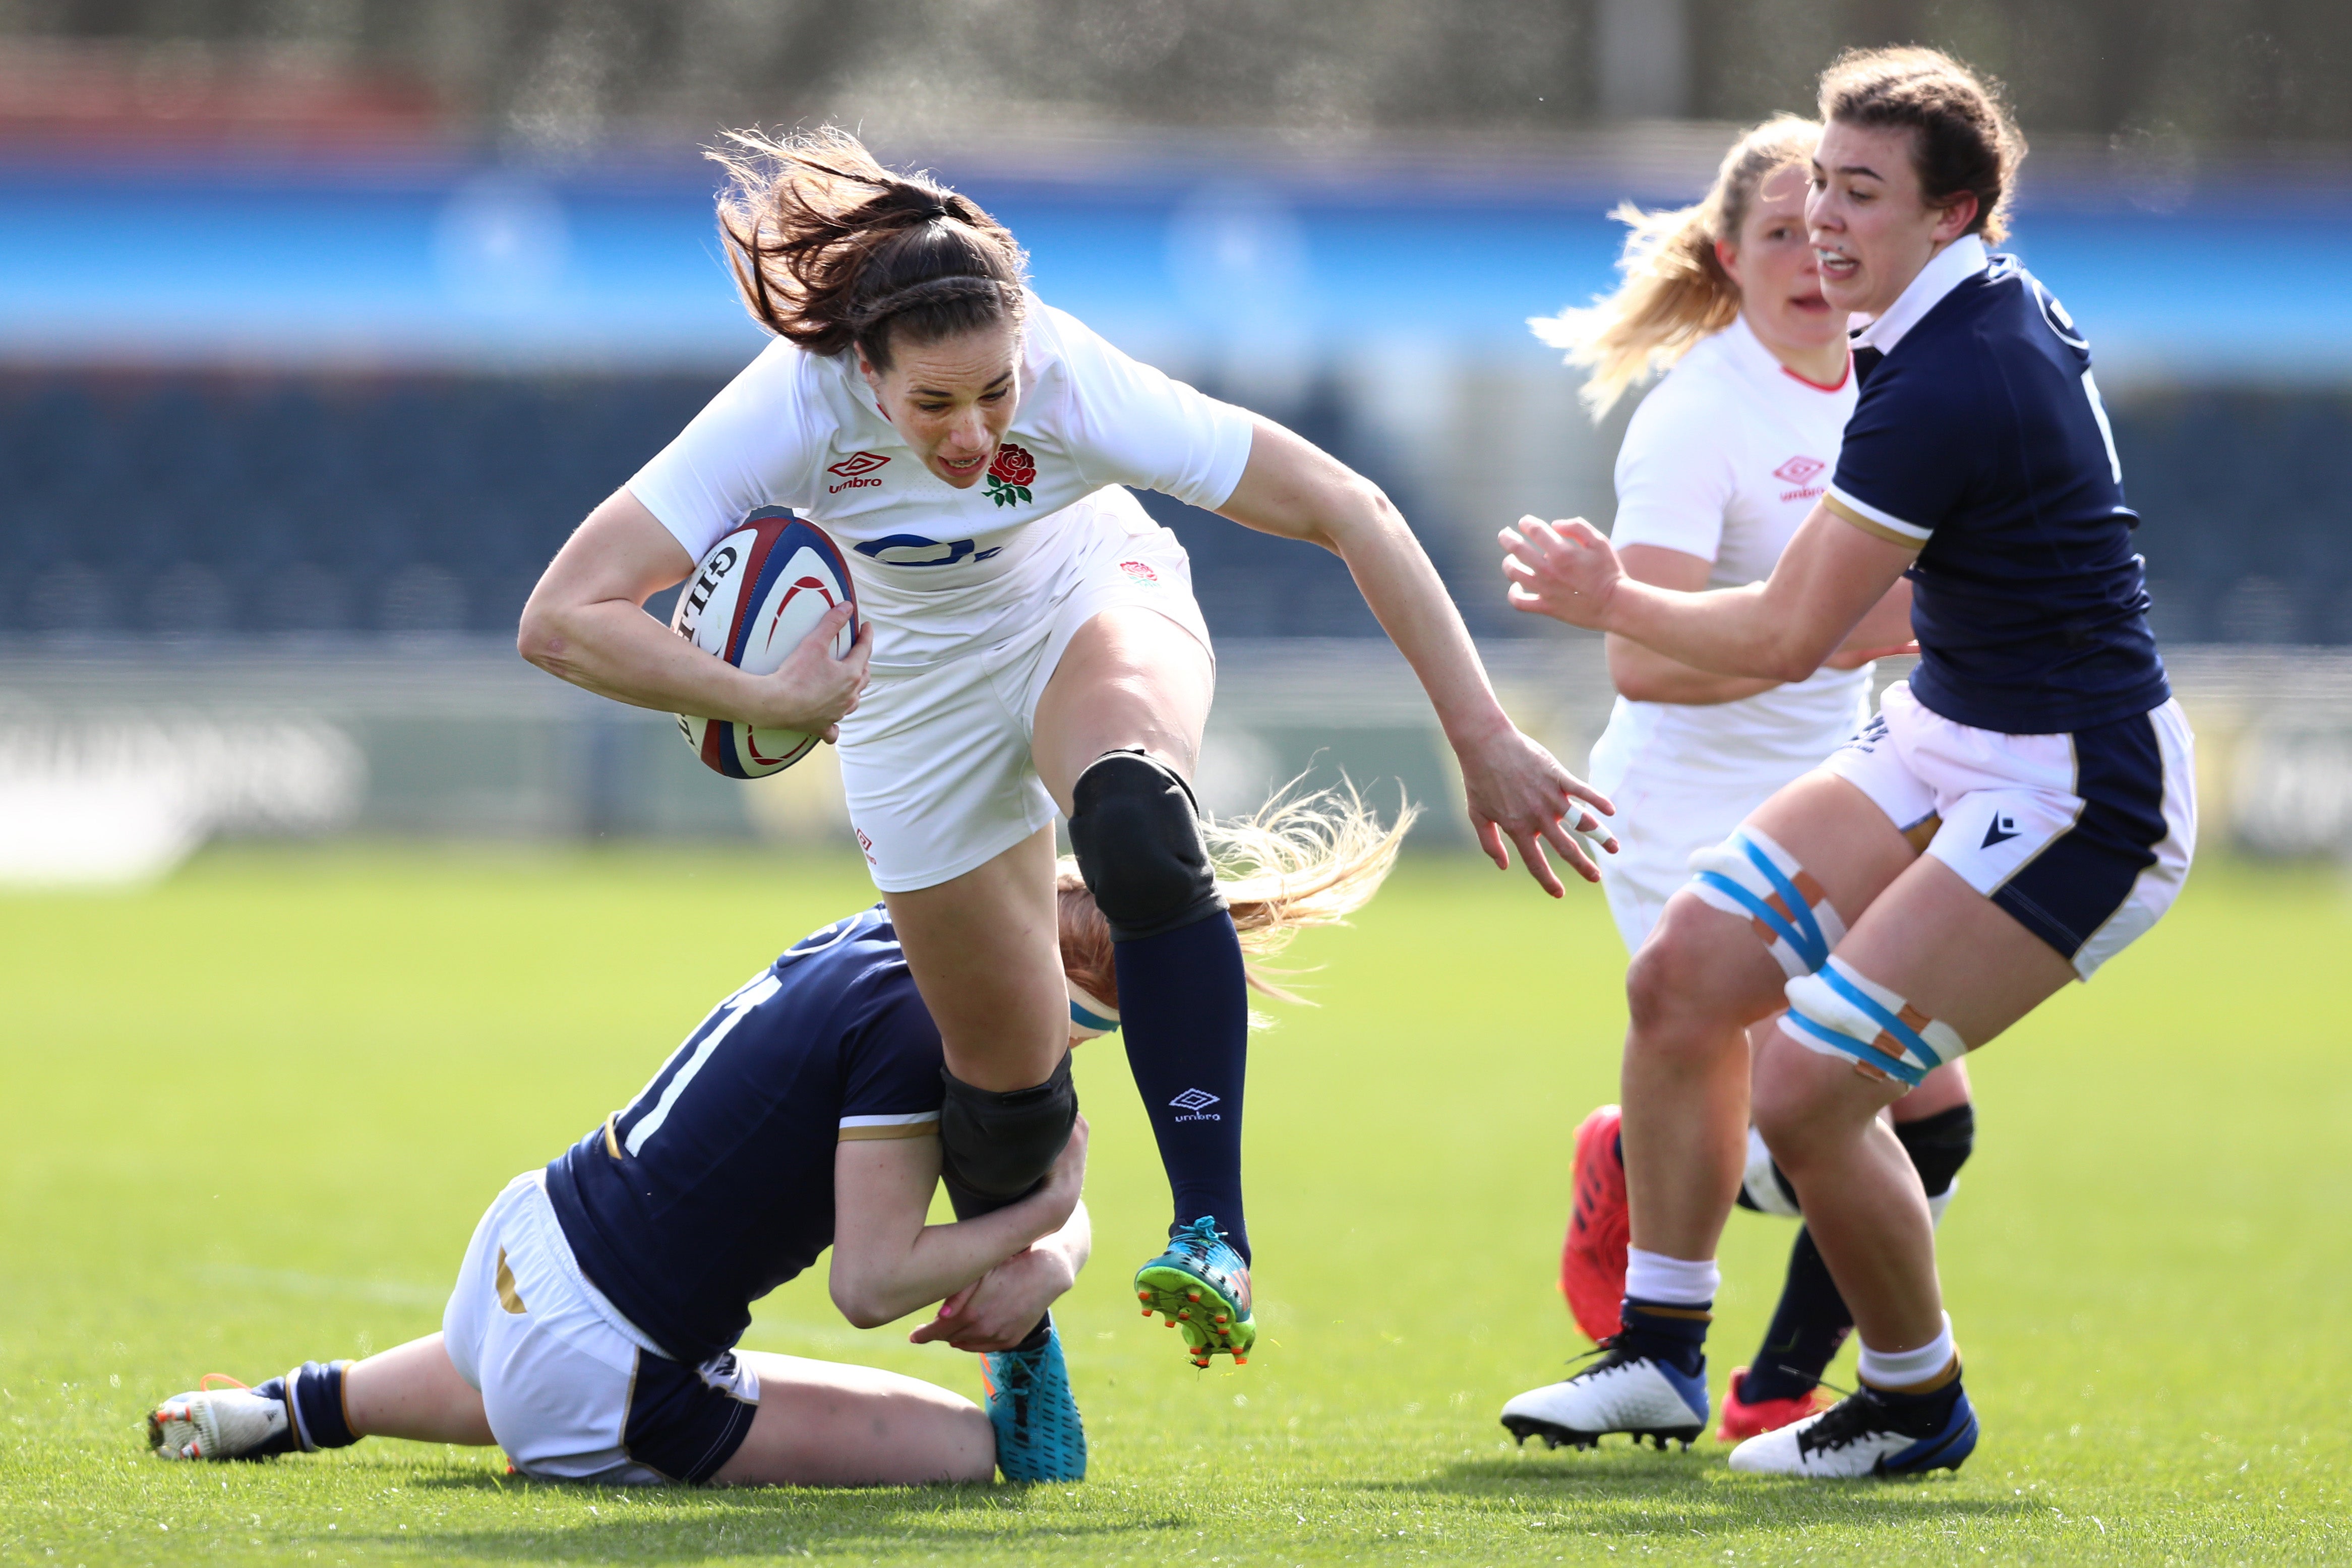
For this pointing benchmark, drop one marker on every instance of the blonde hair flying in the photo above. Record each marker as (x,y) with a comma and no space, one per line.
(1675,290)
(1300,860)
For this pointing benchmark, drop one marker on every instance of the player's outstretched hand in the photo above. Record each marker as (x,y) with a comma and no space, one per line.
(997,1311)
(1519,790)
(812,692)
(1564,570)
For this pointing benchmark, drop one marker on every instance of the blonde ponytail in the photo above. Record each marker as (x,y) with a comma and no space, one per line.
(1675,290)
(1300,860)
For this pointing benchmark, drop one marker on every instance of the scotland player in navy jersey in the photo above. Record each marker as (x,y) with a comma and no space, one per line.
(592,1330)
(2014,817)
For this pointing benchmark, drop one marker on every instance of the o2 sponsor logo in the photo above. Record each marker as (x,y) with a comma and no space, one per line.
(914,550)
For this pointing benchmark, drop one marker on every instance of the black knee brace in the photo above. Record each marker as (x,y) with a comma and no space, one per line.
(1939,1145)
(995,1148)
(1137,832)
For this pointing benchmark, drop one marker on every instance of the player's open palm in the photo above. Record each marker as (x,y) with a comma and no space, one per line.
(812,691)
(1564,570)
(1517,790)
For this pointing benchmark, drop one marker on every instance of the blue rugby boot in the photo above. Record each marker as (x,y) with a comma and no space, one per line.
(1644,1397)
(1040,1435)
(1201,1286)
(1869,1433)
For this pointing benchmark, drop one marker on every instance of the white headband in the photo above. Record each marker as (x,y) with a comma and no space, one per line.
(1090,1016)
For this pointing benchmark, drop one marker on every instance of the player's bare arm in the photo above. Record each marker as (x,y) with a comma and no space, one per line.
(1644,675)
(585,623)
(1832,575)
(995,1311)
(887,1262)
(1515,789)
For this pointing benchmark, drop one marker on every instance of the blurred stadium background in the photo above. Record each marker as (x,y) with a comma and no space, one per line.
(322,322)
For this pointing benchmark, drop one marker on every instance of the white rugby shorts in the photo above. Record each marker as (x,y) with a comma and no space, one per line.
(1658,826)
(937,763)
(572,1390)
(2085,839)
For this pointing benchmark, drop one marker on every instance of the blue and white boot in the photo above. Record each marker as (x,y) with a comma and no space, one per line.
(1039,1434)
(1640,1395)
(1865,1435)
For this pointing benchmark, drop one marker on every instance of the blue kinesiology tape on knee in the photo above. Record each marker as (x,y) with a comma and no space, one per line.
(1839,1013)
(1751,876)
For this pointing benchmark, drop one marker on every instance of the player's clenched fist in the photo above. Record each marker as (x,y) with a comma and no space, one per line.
(1564,570)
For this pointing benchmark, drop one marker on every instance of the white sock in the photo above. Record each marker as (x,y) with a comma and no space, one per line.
(1902,1369)
(1670,1281)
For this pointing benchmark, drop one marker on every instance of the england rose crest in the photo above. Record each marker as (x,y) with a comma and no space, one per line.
(1010,476)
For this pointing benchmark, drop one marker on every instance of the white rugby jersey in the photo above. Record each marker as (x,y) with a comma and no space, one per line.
(1723,459)
(941,572)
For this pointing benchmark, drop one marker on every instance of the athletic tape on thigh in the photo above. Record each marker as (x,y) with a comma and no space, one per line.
(1838,1013)
(1750,875)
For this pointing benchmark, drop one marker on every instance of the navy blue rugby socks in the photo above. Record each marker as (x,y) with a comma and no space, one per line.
(313,1393)
(1183,1006)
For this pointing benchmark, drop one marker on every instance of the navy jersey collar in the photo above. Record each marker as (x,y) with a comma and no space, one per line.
(1951,267)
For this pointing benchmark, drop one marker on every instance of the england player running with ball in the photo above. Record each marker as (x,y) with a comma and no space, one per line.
(1721,464)
(592,1332)
(1036,646)
(2016,816)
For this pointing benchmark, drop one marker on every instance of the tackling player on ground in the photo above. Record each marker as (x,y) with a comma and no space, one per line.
(1034,646)
(592,1332)
(2020,811)
(1720,465)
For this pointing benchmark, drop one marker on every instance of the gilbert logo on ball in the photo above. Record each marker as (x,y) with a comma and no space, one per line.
(1011,475)
(753,598)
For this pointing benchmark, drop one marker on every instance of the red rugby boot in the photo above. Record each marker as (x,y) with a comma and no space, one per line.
(1592,1260)
(1742,1420)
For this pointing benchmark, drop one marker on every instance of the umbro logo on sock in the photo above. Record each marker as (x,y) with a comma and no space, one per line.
(1196,1101)
(2002,827)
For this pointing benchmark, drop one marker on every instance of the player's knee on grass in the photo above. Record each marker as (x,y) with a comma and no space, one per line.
(995,1148)
(1135,830)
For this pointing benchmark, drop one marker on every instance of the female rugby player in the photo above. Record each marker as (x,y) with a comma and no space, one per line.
(1034,645)
(592,1330)
(2018,813)
(1720,464)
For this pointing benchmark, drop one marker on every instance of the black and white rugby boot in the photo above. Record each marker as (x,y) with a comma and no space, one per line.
(1643,1396)
(1868,1434)
(229,1423)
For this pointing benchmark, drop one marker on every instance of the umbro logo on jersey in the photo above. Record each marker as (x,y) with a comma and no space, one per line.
(2002,828)
(1195,1103)
(852,471)
(1799,474)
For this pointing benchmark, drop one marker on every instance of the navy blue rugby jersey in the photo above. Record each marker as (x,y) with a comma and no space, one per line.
(714,1185)
(1978,437)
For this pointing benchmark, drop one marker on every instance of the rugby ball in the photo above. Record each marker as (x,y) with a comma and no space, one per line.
(751,601)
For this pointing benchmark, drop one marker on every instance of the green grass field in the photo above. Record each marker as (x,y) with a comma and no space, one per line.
(253,1115)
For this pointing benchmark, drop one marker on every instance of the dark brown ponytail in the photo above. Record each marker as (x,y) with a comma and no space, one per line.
(832,250)
(1963,142)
